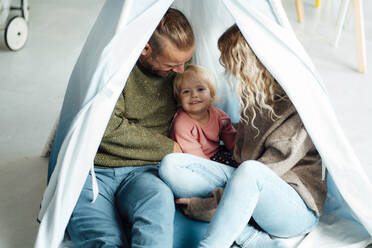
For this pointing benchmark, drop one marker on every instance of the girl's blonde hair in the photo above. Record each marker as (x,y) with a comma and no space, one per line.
(198,71)
(256,87)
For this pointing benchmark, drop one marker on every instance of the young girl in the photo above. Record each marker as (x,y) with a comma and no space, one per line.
(279,180)
(198,126)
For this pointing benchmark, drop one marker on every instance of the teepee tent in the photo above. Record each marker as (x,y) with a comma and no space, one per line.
(111,51)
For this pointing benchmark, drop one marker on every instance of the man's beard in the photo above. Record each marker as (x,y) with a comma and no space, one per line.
(150,68)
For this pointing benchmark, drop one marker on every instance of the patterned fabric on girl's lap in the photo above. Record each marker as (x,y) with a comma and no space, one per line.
(224,156)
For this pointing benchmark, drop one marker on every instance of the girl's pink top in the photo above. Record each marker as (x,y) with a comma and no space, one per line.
(203,139)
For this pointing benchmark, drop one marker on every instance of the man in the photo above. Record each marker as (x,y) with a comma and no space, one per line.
(134,206)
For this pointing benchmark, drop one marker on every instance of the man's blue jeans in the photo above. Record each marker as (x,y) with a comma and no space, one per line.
(133,207)
(251,190)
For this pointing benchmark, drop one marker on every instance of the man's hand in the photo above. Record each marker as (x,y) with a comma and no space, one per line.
(176,148)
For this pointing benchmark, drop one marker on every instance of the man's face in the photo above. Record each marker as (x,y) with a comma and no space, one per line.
(171,59)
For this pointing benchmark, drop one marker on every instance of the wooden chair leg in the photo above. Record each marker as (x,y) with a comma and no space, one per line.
(300,10)
(360,35)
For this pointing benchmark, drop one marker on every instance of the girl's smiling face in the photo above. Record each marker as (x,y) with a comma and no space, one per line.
(195,97)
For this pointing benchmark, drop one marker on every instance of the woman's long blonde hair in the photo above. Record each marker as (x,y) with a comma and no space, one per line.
(256,87)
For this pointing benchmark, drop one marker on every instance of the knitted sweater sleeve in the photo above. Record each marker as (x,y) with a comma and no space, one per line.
(127,139)
(286,146)
(203,209)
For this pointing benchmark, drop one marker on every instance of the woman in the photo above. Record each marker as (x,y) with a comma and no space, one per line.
(279,180)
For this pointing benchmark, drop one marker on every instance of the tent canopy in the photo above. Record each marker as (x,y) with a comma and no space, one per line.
(108,56)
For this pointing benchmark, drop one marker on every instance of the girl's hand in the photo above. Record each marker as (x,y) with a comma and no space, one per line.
(224,123)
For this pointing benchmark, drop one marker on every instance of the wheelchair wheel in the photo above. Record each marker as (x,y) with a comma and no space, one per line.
(16,33)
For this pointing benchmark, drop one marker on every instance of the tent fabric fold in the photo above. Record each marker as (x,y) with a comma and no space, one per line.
(111,51)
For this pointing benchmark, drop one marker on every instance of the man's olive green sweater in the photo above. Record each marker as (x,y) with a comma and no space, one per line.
(138,131)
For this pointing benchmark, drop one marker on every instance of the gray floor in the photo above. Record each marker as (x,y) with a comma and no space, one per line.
(33,81)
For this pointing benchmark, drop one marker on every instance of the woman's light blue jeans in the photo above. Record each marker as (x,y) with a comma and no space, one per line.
(251,190)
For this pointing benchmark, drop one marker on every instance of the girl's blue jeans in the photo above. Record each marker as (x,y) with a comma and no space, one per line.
(251,190)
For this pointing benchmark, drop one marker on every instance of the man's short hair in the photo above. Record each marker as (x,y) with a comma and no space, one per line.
(176,28)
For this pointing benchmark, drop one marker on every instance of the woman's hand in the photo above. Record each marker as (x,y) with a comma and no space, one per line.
(200,208)
(182,201)
(183,205)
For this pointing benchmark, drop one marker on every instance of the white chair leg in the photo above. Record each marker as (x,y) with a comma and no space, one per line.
(360,35)
(25,10)
(341,20)
(348,21)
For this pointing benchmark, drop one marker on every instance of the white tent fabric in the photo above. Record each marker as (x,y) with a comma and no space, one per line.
(107,59)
